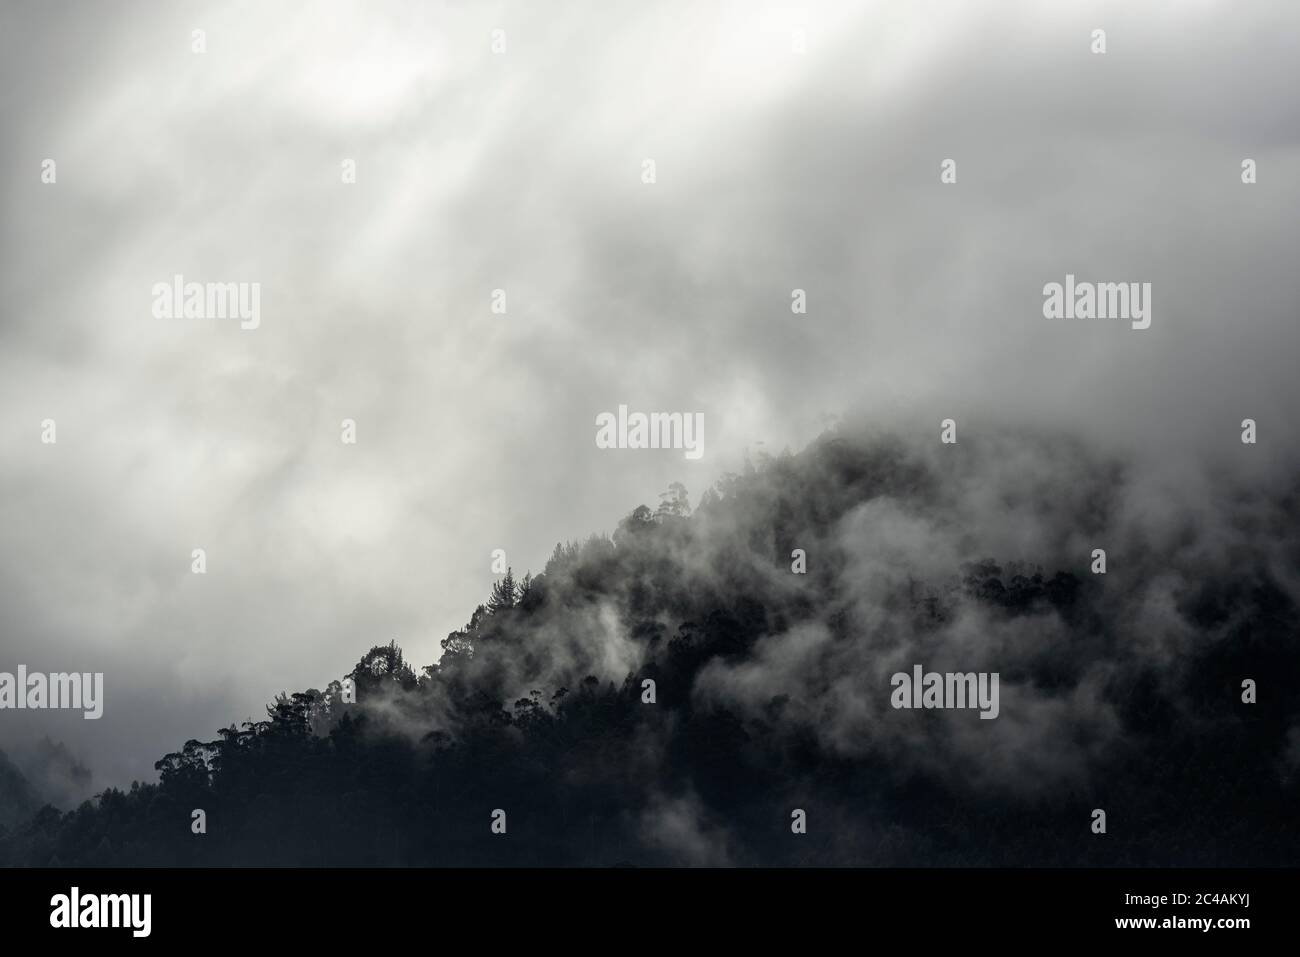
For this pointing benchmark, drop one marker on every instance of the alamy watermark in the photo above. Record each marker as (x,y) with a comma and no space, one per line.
(654,430)
(61,690)
(930,689)
(1102,300)
(179,299)
(74,909)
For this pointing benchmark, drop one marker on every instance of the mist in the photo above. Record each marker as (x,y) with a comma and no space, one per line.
(522,171)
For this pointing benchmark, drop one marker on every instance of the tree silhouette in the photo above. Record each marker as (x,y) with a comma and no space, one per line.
(503,593)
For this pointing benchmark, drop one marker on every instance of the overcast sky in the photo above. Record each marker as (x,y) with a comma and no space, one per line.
(522,170)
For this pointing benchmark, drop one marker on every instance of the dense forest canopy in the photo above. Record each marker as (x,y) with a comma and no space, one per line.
(670,694)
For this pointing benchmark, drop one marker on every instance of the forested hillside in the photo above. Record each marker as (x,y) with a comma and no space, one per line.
(671,693)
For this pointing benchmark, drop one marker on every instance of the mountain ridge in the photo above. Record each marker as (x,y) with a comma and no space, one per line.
(770,688)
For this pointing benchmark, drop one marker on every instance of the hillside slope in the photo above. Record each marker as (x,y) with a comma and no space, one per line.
(772,679)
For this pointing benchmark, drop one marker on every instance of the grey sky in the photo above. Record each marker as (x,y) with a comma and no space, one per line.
(522,171)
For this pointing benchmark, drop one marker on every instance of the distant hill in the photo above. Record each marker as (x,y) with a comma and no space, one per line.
(677,692)
(18,799)
(54,771)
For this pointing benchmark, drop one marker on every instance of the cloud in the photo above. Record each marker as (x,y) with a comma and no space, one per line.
(521,171)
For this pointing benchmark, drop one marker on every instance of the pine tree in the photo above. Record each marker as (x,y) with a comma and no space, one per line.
(503,593)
